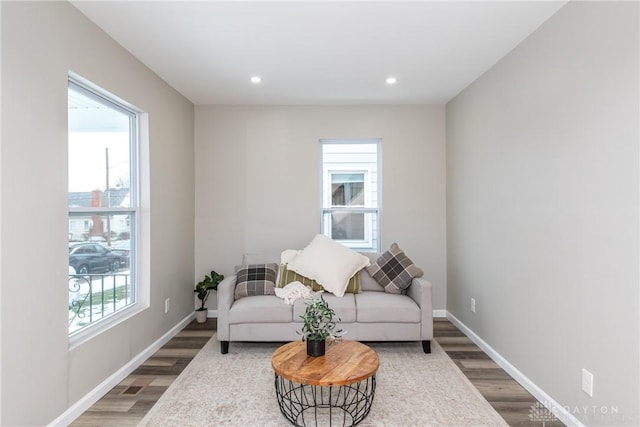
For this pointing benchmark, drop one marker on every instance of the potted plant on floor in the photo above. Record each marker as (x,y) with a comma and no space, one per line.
(319,324)
(203,288)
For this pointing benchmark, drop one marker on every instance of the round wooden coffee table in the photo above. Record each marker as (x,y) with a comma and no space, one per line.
(337,388)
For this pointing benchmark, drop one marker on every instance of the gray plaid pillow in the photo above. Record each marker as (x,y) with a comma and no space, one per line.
(255,279)
(394,270)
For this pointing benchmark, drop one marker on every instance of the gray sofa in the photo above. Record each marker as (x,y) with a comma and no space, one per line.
(372,315)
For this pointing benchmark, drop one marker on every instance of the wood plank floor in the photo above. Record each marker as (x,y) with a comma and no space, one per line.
(128,402)
(508,397)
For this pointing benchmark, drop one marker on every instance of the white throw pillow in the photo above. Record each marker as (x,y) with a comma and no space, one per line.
(329,263)
(287,255)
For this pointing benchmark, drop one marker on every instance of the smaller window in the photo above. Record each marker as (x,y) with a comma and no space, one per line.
(351,192)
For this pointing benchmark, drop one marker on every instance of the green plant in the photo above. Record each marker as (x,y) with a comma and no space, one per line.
(206,285)
(319,322)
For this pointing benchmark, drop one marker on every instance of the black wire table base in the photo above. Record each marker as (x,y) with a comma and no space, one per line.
(308,405)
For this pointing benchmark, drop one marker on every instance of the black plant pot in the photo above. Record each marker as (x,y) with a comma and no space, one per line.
(315,348)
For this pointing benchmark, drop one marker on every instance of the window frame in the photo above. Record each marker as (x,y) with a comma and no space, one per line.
(327,207)
(133,212)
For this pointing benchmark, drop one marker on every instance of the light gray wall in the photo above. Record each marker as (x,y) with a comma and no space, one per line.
(542,208)
(41,42)
(258,179)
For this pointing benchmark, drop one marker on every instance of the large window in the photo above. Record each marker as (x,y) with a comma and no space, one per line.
(103,200)
(351,192)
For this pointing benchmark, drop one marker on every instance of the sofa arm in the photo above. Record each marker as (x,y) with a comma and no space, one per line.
(226,291)
(420,292)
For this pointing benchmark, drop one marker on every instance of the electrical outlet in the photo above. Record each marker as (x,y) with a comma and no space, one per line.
(587,382)
(167,302)
(473,305)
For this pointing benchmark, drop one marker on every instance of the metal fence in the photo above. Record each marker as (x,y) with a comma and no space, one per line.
(93,297)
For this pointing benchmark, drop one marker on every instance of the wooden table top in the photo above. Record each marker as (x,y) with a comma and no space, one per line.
(345,362)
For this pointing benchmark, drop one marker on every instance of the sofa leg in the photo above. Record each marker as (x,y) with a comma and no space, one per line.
(426,346)
(224,347)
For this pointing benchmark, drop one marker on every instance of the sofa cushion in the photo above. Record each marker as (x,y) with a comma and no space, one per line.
(287,276)
(249,258)
(329,263)
(345,307)
(255,279)
(260,309)
(394,270)
(368,283)
(381,307)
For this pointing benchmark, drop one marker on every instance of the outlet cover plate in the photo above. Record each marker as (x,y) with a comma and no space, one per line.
(587,382)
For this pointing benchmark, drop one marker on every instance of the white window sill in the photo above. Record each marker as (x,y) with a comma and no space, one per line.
(89,332)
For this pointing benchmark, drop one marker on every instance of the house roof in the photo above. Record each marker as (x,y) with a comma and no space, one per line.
(83,199)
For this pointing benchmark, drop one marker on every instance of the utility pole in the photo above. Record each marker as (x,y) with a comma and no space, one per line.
(106,155)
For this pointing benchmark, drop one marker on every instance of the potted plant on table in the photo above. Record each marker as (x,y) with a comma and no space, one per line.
(203,288)
(319,324)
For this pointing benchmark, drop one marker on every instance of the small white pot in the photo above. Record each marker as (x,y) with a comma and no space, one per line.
(201,316)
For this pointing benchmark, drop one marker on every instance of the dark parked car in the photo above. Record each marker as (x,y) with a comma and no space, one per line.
(122,248)
(93,258)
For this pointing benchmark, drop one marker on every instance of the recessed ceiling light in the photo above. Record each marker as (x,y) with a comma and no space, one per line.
(391,80)
(256,79)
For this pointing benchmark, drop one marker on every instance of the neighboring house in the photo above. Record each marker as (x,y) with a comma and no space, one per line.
(87,227)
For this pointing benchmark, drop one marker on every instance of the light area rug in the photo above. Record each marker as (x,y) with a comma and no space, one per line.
(237,389)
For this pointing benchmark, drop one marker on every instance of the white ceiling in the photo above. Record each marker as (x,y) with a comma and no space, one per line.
(322,52)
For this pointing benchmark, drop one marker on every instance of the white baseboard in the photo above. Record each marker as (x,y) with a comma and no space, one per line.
(211,314)
(94,395)
(557,409)
(439,313)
